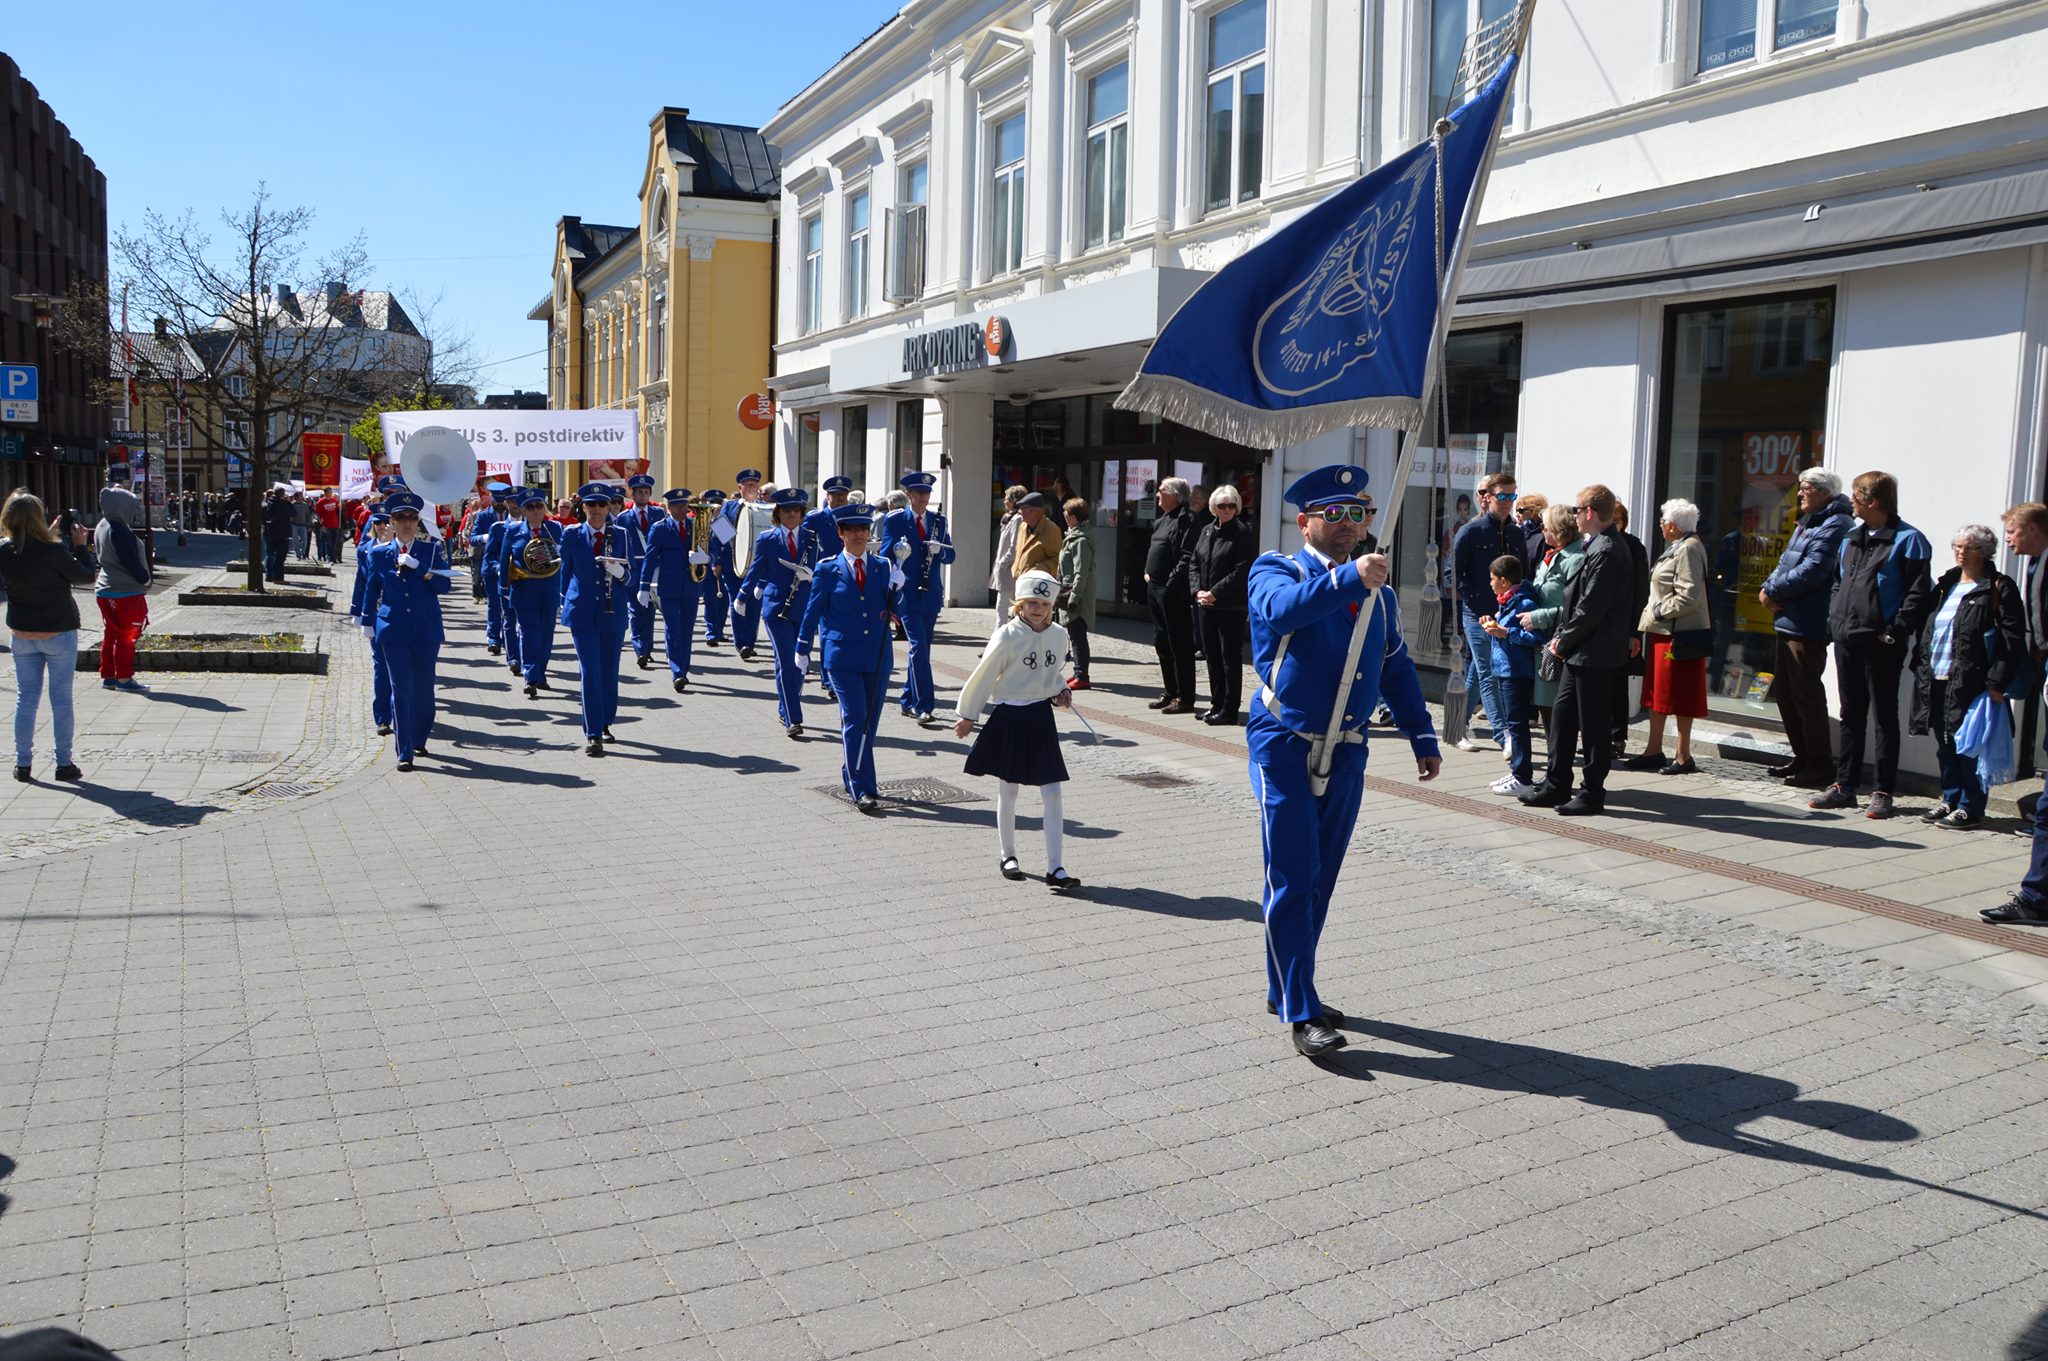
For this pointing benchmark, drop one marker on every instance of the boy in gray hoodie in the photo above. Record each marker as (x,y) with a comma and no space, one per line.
(121,588)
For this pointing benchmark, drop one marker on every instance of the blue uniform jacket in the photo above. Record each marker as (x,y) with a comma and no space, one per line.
(665,570)
(769,572)
(480,526)
(924,585)
(585,585)
(823,536)
(639,523)
(856,636)
(1298,595)
(492,551)
(1515,655)
(509,540)
(1803,582)
(361,591)
(404,600)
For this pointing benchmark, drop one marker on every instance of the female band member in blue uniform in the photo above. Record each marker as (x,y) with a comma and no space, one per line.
(717,585)
(669,573)
(850,600)
(408,577)
(377,529)
(917,541)
(777,585)
(530,565)
(594,608)
(1022,670)
(639,520)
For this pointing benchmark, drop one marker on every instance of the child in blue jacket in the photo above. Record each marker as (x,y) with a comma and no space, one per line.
(1514,669)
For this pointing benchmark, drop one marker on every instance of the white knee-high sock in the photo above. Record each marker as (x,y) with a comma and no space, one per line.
(1055,826)
(1006,818)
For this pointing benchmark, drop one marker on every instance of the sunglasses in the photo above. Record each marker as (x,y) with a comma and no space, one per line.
(1353,512)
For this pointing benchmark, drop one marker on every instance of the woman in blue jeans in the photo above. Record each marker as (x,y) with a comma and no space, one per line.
(42,614)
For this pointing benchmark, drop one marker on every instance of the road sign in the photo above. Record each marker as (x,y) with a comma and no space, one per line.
(18,393)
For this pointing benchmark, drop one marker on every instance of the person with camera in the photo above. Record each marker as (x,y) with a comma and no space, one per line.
(39,570)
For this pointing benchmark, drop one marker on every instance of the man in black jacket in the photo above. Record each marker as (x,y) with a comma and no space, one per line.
(1592,640)
(277,533)
(1167,592)
(1639,584)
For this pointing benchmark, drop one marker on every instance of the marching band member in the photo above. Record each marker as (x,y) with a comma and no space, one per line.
(594,608)
(824,532)
(716,586)
(408,576)
(483,572)
(377,529)
(851,595)
(533,585)
(776,586)
(1021,670)
(742,520)
(493,558)
(639,520)
(668,572)
(917,541)
(1302,610)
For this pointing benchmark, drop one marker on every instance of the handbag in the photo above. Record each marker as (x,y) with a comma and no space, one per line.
(1688,645)
(1549,666)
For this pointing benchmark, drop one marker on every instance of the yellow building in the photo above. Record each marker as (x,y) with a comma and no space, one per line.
(672,316)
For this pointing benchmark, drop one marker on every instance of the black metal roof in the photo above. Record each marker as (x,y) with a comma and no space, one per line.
(733,161)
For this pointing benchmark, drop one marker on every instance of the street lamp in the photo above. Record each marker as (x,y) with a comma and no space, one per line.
(43,312)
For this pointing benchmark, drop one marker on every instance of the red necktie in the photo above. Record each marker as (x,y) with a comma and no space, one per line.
(917,522)
(790,535)
(860,574)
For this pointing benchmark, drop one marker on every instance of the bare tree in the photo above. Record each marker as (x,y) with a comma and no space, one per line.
(283,351)
(447,364)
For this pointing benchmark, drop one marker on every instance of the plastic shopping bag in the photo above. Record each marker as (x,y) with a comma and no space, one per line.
(1986,733)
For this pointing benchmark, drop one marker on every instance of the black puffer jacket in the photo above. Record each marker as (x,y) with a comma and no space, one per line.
(39,577)
(1990,643)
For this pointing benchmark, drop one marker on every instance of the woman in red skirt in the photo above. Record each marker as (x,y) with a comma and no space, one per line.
(1680,633)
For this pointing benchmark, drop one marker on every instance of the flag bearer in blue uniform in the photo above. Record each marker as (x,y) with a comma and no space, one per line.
(533,584)
(917,540)
(408,577)
(1302,609)
(638,520)
(746,625)
(377,529)
(594,608)
(667,576)
(777,585)
(824,540)
(717,586)
(851,596)
(483,574)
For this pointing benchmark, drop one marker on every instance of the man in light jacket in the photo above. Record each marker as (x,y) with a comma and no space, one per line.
(121,588)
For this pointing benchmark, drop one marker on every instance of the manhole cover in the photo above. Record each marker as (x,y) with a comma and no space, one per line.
(1156,779)
(911,791)
(278,789)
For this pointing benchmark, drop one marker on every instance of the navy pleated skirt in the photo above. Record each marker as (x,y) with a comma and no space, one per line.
(1019,743)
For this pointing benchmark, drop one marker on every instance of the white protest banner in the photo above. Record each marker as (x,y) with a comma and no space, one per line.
(506,441)
(356,482)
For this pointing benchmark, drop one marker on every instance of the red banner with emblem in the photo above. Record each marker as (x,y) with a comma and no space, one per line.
(321,454)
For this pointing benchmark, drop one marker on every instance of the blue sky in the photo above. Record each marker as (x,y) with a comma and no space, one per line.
(452,135)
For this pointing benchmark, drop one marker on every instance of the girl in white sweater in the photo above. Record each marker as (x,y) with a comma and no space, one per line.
(1022,672)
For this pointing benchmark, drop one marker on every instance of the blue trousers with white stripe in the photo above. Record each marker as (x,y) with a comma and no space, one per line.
(861,694)
(1303,838)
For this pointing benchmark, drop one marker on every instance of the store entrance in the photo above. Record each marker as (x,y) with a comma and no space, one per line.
(1115,461)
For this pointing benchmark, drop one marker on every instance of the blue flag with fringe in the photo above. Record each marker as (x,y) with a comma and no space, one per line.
(1333,320)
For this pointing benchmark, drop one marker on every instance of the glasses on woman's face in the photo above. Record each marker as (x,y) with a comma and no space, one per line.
(1353,512)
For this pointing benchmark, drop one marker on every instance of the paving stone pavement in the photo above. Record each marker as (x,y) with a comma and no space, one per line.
(701,1063)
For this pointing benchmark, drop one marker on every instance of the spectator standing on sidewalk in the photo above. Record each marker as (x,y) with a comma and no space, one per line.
(328,511)
(1485,537)
(122,588)
(39,570)
(1529,509)
(1514,669)
(1798,593)
(1621,710)
(1592,641)
(2026,534)
(302,526)
(277,533)
(1002,577)
(1883,598)
(1077,587)
(1565,553)
(1168,559)
(1973,643)
(1224,551)
(1674,685)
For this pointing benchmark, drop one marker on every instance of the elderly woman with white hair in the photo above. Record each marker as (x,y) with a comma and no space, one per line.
(1973,644)
(1224,551)
(1797,593)
(1680,632)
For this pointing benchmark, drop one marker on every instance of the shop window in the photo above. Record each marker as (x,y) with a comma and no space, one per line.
(1107,154)
(1006,196)
(1736,434)
(1235,104)
(1736,31)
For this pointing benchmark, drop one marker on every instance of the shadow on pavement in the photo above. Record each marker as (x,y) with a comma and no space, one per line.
(139,805)
(1701,1103)
(711,760)
(7,1166)
(1799,828)
(2030,1344)
(206,702)
(444,762)
(128,917)
(1210,909)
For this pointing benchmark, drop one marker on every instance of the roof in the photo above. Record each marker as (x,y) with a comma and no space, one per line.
(154,357)
(589,242)
(353,309)
(732,161)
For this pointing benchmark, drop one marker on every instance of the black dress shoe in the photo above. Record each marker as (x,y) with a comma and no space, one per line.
(868,803)
(1644,760)
(593,747)
(532,693)
(1546,796)
(1009,869)
(1161,702)
(405,765)
(21,774)
(1331,1017)
(640,661)
(383,730)
(746,654)
(497,651)
(793,731)
(1581,805)
(513,667)
(682,683)
(2018,912)
(1780,772)
(69,774)
(1678,768)
(1222,718)
(421,750)
(1314,1039)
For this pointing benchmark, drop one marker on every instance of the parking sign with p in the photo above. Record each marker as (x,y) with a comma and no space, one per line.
(18,393)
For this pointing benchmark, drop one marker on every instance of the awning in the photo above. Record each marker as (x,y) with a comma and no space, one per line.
(1896,226)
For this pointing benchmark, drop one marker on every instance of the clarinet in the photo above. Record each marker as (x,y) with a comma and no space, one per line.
(804,535)
(604,577)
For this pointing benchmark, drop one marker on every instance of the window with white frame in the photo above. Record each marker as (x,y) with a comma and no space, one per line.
(237,386)
(1006,195)
(1106,154)
(1235,105)
(811,296)
(1451,23)
(907,232)
(236,436)
(857,215)
(1735,31)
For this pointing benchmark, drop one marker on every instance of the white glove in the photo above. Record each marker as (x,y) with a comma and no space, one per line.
(616,570)
(801,572)
(739,604)
(645,598)
(699,558)
(370,632)
(901,551)
(756,593)
(895,577)
(803,660)
(935,548)
(407,560)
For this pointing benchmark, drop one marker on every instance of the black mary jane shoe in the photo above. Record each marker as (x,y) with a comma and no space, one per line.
(1331,1017)
(1009,868)
(1313,1039)
(383,730)
(1061,881)
(593,747)
(405,765)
